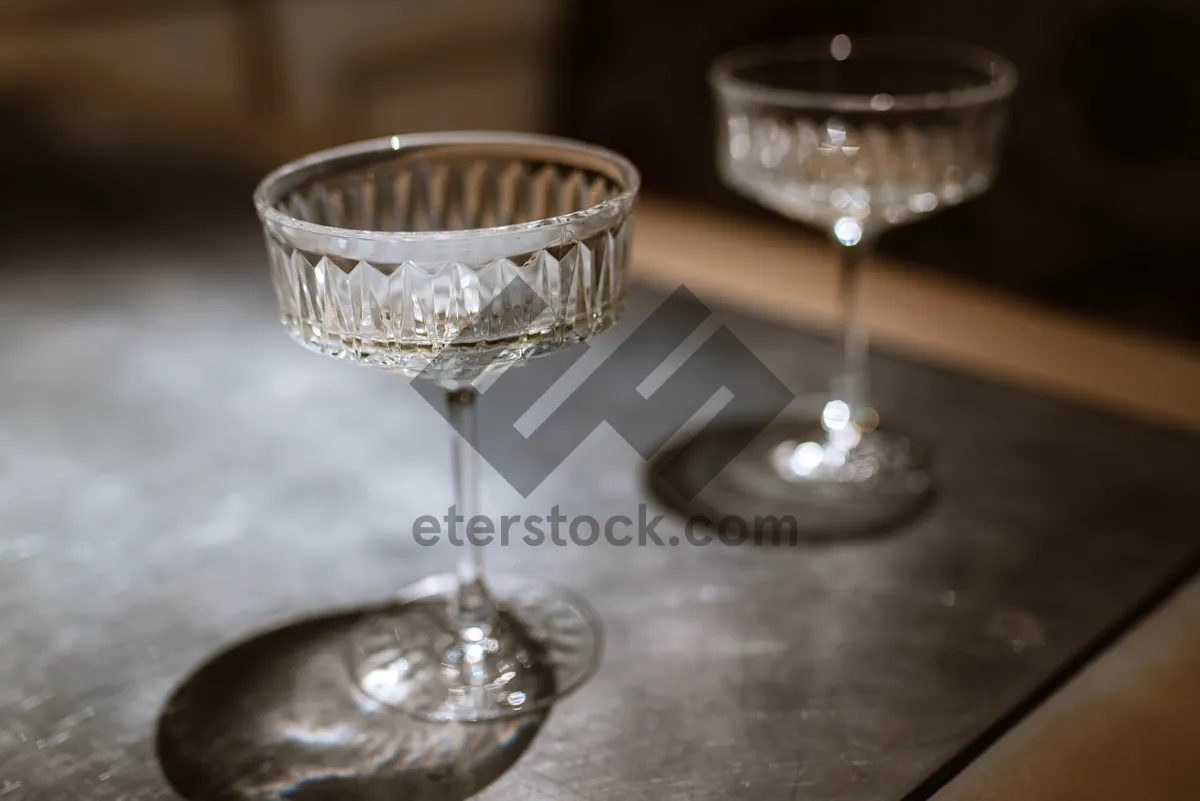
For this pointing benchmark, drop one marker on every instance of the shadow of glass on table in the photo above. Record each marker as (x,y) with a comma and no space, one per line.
(272,717)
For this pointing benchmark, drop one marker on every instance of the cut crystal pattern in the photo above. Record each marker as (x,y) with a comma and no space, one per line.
(878,169)
(467,305)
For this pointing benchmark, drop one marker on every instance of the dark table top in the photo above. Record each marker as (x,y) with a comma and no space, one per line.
(177,477)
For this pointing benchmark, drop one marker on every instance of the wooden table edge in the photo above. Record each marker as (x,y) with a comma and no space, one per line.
(791,278)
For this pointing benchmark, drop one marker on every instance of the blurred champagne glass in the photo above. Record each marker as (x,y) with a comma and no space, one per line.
(852,137)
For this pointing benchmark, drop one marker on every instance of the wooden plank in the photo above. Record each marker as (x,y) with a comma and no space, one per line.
(1126,728)
(792,278)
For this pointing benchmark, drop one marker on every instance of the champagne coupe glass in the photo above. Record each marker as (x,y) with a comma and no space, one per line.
(853,137)
(437,256)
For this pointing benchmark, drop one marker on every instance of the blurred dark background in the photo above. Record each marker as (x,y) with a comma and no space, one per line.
(152,118)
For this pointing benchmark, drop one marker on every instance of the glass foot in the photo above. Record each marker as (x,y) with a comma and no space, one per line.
(545,643)
(792,479)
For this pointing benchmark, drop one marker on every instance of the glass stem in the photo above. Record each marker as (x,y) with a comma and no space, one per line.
(853,388)
(472,606)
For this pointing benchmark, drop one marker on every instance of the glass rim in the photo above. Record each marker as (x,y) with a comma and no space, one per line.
(1001,72)
(267,189)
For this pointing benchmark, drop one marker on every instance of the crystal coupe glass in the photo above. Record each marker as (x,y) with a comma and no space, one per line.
(438,256)
(853,137)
